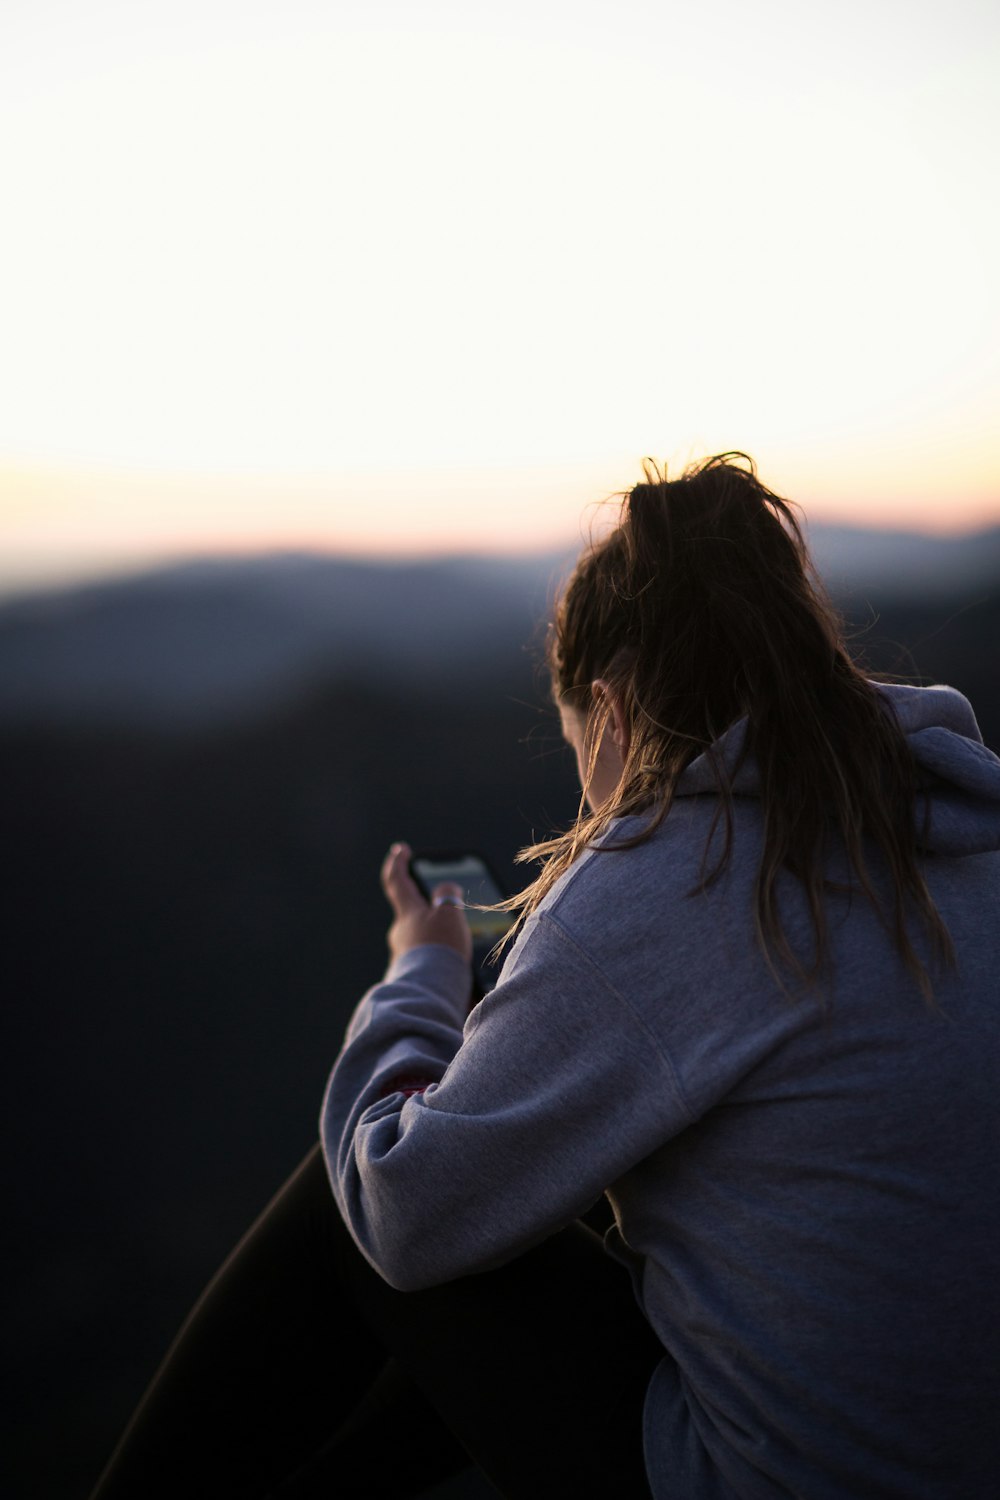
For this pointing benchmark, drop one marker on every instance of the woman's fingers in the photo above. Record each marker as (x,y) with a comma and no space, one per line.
(447,895)
(397,882)
(417,921)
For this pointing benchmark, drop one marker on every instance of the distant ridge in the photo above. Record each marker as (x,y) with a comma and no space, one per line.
(905,564)
(216,638)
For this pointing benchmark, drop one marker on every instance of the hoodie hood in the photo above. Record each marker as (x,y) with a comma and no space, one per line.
(959,812)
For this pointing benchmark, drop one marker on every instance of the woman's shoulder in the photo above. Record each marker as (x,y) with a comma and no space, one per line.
(633,871)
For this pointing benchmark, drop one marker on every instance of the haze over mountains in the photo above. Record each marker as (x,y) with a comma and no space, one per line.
(212,639)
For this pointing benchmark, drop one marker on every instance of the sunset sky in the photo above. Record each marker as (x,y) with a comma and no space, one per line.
(410,276)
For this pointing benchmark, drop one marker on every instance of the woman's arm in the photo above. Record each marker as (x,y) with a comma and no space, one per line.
(451,1150)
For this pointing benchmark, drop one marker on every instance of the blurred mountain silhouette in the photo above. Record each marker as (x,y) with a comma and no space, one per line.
(210,640)
(201,771)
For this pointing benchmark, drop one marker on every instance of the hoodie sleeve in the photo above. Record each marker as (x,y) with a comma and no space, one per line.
(450,1151)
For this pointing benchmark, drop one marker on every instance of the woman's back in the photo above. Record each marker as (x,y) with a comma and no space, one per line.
(817,1243)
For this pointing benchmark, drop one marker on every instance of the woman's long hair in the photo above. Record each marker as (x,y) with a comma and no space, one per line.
(699,609)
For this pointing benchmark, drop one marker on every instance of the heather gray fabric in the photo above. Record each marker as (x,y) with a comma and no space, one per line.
(805,1186)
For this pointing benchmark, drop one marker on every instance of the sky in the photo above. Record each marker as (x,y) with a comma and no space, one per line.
(401,276)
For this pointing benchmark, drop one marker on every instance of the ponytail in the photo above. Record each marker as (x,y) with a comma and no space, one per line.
(699,609)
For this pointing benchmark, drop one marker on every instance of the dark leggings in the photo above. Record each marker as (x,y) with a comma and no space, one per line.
(301,1373)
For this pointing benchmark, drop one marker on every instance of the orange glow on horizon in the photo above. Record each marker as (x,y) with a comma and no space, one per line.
(60,525)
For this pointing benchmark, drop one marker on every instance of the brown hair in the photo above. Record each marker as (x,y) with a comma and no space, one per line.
(699,609)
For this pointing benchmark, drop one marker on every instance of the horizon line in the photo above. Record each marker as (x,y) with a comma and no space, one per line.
(52,577)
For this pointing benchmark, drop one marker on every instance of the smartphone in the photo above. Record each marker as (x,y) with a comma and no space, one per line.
(480,884)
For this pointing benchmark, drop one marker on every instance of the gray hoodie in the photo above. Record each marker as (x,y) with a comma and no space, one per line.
(804,1186)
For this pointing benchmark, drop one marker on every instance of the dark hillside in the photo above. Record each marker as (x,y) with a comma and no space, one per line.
(191,921)
(955,640)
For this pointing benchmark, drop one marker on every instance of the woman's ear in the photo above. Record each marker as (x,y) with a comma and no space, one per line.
(621,733)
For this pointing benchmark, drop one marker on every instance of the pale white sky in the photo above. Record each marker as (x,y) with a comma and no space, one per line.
(412,275)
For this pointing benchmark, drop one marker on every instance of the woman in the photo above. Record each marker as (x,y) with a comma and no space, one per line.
(753,1001)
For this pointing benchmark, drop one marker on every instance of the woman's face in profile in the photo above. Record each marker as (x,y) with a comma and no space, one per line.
(608,766)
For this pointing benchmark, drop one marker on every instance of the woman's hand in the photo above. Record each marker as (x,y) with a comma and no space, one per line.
(415,920)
